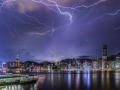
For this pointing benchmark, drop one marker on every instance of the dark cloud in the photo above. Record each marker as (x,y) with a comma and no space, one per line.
(44,34)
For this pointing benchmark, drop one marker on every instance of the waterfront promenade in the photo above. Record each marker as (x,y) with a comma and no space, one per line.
(17,79)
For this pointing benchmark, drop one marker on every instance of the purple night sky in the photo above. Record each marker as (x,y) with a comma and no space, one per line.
(55,29)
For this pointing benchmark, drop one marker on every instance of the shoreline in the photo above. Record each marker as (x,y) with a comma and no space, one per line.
(18,80)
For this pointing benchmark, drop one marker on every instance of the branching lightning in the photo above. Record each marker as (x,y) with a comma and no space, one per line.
(53,3)
(61,9)
(5,2)
(115,13)
(91,5)
(26,15)
(62,12)
(67,13)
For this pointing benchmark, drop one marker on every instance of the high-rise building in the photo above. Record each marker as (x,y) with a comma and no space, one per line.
(104,57)
(105,52)
(17,64)
(117,62)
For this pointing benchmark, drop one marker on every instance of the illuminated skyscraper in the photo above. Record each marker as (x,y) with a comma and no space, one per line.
(105,52)
(17,64)
(104,57)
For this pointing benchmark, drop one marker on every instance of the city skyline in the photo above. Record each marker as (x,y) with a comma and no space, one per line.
(50,29)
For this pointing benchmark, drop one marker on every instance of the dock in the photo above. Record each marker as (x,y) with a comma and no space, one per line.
(18,80)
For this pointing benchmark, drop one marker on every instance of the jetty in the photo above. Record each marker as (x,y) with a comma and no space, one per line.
(4,80)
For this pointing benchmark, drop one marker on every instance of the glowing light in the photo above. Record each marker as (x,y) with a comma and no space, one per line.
(117,78)
(87,80)
(60,5)
(115,13)
(69,80)
(30,5)
(77,81)
(91,5)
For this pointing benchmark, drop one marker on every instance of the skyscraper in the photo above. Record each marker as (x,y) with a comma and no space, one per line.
(17,64)
(104,57)
(105,52)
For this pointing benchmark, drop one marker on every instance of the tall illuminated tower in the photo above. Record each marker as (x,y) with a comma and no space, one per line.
(17,64)
(105,52)
(104,56)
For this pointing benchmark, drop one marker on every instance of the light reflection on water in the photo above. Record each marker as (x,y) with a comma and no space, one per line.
(117,79)
(20,87)
(69,80)
(79,81)
(87,80)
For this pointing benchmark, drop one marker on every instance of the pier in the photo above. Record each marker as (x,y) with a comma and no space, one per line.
(4,80)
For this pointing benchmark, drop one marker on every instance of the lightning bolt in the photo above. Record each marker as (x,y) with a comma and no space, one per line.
(55,4)
(60,8)
(4,2)
(66,13)
(52,31)
(63,12)
(51,3)
(115,13)
(91,5)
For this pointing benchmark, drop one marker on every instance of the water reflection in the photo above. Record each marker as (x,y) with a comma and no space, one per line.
(102,77)
(117,79)
(77,81)
(20,87)
(108,82)
(69,81)
(95,77)
(87,80)
(31,86)
(52,79)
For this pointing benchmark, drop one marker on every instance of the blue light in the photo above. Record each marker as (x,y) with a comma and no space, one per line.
(69,80)
(87,80)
